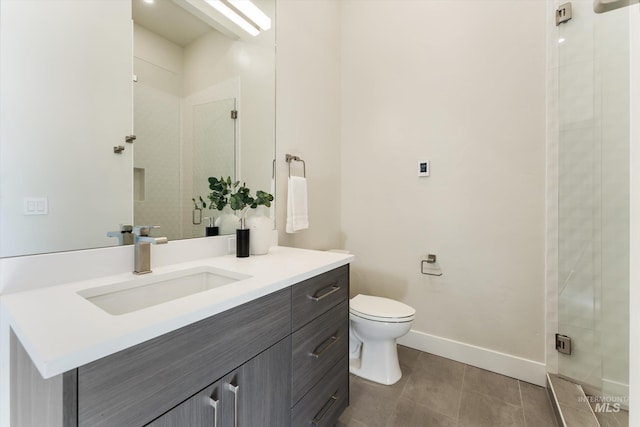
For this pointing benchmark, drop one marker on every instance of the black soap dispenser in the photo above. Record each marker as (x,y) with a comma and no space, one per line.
(242,239)
(211,230)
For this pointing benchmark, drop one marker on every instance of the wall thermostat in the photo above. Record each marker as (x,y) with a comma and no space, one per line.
(424,168)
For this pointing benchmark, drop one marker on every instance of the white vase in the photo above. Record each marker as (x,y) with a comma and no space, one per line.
(261,230)
(228,222)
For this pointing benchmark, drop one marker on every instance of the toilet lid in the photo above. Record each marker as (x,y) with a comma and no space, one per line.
(380,307)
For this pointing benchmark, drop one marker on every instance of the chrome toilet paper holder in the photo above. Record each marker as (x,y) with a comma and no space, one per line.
(432,267)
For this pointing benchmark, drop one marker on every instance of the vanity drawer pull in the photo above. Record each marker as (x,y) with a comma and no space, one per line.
(325,292)
(235,389)
(214,401)
(326,345)
(325,409)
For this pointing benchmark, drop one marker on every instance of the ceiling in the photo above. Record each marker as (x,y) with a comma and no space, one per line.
(169,20)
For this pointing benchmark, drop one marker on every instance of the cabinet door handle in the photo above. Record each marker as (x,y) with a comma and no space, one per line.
(235,389)
(326,345)
(325,292)
(325,409)
(214,401)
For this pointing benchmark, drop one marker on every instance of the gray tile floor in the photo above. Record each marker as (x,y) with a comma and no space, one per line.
(435,392)
(612,419)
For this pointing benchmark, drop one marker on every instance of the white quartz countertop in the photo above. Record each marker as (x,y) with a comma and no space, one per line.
(61,330)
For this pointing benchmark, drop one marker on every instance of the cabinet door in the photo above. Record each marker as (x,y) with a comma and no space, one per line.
(202,410)
(258,393)
(255,394)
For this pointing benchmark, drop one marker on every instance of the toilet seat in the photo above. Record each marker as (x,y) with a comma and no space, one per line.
(380,309)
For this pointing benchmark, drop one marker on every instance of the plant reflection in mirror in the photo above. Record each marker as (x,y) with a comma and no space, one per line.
(225,192)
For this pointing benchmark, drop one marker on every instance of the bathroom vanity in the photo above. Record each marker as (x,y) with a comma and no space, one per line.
(268,350)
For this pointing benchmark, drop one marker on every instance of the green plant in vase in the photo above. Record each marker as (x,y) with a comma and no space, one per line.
(221,191)
(241,200)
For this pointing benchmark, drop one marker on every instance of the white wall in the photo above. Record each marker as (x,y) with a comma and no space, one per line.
(463,85)
(308,119)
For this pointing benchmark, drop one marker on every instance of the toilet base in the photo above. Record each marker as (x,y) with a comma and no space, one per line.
(378,362)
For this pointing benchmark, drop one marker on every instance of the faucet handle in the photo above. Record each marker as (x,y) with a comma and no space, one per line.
(143,230)
(123,235)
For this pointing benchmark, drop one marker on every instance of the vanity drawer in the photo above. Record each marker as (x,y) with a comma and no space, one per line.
(322,406)
(131,387)
(317,347)
(314,296)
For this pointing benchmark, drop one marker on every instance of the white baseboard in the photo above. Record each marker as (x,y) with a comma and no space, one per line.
(501,363)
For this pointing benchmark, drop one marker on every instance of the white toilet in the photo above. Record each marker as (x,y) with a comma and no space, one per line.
(374,325)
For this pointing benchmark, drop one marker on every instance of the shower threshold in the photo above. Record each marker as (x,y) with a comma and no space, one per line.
(570,403)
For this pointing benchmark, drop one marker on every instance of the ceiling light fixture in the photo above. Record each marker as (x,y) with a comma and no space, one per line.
(253,12)
(233,16)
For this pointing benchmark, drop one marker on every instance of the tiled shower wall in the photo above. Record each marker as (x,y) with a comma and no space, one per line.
(213,151)
(591,73)
(157,127)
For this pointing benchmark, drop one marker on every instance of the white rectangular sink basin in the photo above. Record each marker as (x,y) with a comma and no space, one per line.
(147,291)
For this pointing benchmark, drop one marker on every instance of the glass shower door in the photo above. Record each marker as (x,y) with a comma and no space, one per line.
(593,198)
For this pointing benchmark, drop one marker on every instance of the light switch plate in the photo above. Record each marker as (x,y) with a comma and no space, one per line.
(36,206)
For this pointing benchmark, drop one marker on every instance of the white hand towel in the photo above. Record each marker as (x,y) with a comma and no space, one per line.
(297,212)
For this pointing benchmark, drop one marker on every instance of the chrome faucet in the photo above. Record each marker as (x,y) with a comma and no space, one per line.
(143,242)
(124,235)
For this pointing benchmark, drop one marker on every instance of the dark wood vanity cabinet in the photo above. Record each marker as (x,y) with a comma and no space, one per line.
(320,346)
(281,360)
(252,395)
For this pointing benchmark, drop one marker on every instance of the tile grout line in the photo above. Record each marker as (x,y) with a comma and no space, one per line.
(464,373)
(524,416)
(407,379)
(618,423)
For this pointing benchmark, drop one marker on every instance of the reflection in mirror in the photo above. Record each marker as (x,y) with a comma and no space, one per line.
(190,82)
(66,104)
(214,151)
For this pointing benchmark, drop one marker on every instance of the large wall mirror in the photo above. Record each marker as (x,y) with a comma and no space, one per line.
(79,77)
